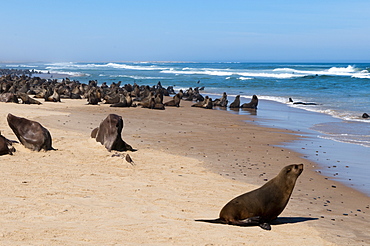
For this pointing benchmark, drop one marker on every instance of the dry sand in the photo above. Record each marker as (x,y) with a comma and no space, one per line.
(189,163)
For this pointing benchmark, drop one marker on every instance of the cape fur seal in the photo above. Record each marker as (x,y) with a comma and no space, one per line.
(30,133)
(236,102)
(109,133)
(221,102)
(261,206)
(6,146)
(8,97)
(175,102)
(27,99)
(252,104)
(206,103)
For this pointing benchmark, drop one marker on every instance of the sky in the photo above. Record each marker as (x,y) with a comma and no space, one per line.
(187,30)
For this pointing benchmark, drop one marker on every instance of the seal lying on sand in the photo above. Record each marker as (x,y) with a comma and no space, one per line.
(6,146)
(8,97)
(109,133)
(30,133)
(175,102)
(27,99)
(261,206)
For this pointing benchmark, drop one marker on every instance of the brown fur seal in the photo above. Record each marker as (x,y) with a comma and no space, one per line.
(261,206)
(6,146)
(252,104)
(208,103)
(221,102)
(30,133)
(27,100)
(55,97)
(8,97)
(236,102)
(109,134)
(175,102)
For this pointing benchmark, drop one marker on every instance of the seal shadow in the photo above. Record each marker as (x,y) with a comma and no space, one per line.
(291,220)
(250,111)
(278,221)
(131,150)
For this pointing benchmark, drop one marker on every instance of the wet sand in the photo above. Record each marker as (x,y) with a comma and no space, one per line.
(189,163)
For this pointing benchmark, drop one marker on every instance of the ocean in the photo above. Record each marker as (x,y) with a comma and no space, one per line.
(334,134)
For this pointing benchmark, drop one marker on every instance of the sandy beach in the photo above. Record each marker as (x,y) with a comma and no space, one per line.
(189,163)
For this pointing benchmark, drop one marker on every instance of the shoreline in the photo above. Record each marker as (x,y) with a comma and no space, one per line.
(339,161)
(232,147)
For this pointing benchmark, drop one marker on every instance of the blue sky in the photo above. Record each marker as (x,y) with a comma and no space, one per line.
(193,30)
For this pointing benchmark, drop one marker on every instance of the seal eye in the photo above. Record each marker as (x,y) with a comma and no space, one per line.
(288,170)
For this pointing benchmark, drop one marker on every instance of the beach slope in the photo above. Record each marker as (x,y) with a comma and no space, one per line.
(189,163)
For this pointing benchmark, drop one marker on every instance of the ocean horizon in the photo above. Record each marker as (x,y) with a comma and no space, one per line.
(334,97)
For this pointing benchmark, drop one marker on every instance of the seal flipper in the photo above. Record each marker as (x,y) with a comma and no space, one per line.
(265,226)
(251,220)
(257,220)
(247,222)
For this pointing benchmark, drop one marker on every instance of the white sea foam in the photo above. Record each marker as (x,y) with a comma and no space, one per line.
(197,71)
(72,74)
(337,138)
(134,77)
(341,70)
(273,98)
(214,72)
(271,75)
(131,67)
(288,70)
(19,65)
(71,65)
(364,74)
(279,73)
(333,71)
(244,78)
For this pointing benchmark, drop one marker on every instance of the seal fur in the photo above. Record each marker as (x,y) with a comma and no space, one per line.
(262,205)
(30,133)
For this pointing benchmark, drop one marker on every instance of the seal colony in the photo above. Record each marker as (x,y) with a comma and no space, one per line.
(263,205)
(17,88)
(20,86)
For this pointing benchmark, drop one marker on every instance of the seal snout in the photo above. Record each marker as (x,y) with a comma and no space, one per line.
(10,116)
(299,168)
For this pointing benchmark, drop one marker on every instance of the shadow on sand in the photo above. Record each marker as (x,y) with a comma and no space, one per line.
(278,221)
(291,220)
